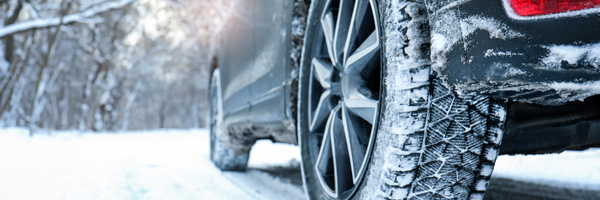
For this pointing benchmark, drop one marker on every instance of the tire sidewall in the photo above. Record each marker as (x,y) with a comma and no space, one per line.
(311,182)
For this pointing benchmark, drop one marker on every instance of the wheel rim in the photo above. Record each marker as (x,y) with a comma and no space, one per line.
(344,94)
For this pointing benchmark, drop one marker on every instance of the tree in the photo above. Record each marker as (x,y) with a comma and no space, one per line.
(107,64)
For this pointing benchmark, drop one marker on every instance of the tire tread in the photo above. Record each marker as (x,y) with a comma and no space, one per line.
(445,144)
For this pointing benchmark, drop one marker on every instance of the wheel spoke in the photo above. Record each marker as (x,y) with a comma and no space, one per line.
(355,149)
(322,70)
(360,58)
(341,29)
(341,159)
(360,10)
(327,23)
(362,104)
(323,110)
(325,152)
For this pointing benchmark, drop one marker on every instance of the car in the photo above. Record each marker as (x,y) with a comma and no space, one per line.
(405,99)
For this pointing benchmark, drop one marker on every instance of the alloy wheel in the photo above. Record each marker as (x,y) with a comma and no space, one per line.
(344,94)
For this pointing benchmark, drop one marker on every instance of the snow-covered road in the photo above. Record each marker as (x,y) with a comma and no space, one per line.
(142,165)
(175,164)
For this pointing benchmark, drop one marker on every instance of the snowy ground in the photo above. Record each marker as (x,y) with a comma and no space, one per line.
(138,165)
(569,169)
(167,164)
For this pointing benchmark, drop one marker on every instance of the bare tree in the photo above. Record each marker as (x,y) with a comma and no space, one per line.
(106,64)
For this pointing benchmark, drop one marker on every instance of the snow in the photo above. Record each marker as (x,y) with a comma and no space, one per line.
(161,164)
(572,54)
(495,29)
(592,87)
(570,169)
(3,64)
(84,16)
(481,185)
(491,52)
(439,49)
(486,170)
(569,91)
(174,164)
(450,30)
(491,154)
(410,72)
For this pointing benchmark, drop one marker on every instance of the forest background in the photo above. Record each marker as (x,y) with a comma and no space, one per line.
(106,65)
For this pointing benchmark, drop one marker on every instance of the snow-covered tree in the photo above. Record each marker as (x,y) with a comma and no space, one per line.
(106,64)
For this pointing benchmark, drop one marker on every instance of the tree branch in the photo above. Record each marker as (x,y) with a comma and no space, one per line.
(55,21)
(10,41)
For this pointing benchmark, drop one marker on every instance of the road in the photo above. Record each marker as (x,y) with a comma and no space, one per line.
(137,165)
(175,165)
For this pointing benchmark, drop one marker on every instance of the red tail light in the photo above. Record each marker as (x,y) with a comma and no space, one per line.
(544,7)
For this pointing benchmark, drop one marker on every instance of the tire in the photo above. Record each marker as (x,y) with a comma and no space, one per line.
(424,141)
(222,154)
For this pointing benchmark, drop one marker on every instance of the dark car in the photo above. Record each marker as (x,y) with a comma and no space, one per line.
(399,99)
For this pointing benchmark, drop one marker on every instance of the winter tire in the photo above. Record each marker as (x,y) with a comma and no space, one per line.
(375,121)
(222,155)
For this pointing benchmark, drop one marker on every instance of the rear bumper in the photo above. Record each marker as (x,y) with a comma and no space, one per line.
(477,47)
(536,129)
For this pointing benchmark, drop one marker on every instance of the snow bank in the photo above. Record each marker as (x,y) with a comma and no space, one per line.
(268,154)
(570,169)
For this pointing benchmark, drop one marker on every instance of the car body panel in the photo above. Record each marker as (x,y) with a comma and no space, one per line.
(254,60)
(271,50)
(489,51)
(234,63)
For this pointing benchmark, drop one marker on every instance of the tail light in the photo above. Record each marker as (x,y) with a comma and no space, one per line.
(544,7)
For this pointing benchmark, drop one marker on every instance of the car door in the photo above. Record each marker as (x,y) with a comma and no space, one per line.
(269,77)
(236,63)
